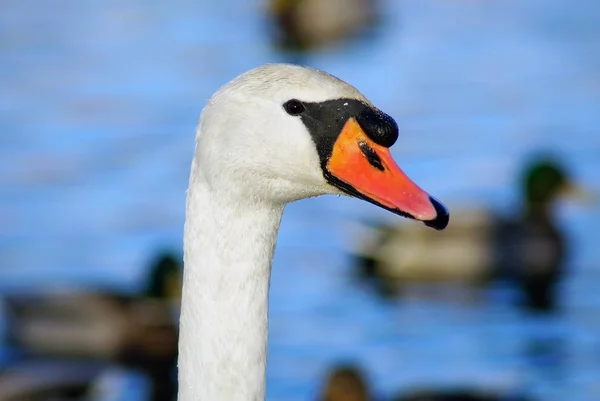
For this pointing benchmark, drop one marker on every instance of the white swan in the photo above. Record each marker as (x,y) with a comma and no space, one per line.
(273,135)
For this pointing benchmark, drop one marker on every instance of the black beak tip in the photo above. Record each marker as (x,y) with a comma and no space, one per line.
(443,216)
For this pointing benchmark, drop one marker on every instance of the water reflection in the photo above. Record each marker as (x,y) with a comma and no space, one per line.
(547,357)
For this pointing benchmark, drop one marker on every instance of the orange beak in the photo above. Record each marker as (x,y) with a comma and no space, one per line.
(364,169)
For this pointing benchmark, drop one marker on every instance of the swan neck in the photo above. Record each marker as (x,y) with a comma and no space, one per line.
(228,250)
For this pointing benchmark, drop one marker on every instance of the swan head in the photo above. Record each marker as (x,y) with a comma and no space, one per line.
(280,132)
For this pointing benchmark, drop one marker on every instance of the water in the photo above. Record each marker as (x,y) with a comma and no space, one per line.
(98,107)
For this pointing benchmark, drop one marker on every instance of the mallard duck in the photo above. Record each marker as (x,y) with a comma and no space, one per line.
(480,245)
(306,24)
(134,331)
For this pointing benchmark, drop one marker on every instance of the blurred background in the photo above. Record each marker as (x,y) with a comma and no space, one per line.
(498,104)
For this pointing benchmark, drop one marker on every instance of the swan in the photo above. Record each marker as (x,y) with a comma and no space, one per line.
(273,135)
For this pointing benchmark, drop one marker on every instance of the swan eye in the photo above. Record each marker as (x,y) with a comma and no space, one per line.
(293,107)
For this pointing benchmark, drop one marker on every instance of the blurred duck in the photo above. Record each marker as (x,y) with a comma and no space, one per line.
(43,381)
(459,395)
(345,383)
(132,331)
(479,246)
(306,24)
(348,383)
(64,380)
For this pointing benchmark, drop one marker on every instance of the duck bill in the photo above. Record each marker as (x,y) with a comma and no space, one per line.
(361,168)
(578,194)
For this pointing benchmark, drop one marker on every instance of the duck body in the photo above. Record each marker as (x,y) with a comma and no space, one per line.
(400,254)
(271,136)
(308,24)
(84,324)
(530,252)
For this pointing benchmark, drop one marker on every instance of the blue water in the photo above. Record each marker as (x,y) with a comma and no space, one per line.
(98,107)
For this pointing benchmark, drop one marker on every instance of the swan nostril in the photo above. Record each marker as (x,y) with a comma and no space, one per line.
(372,156)
(379,127)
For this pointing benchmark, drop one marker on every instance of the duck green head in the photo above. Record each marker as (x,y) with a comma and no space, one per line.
(544,180)
(165,277)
